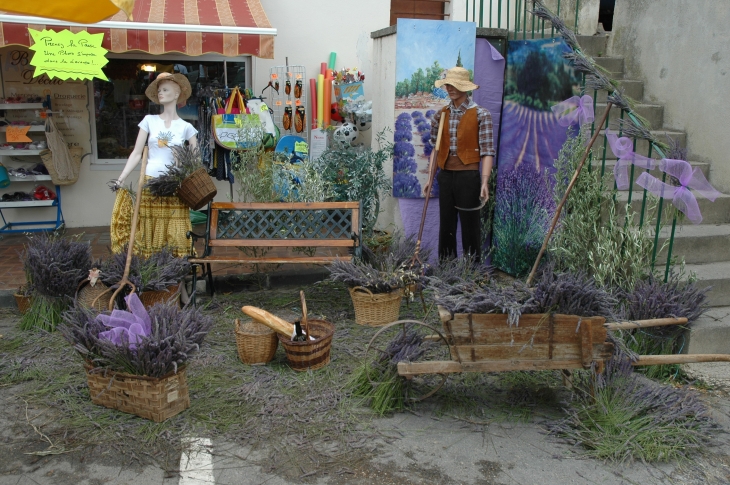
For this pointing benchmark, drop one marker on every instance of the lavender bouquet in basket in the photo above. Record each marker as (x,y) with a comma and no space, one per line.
(150,343)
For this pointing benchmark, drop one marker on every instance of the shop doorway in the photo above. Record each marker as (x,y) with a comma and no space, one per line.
(605,14)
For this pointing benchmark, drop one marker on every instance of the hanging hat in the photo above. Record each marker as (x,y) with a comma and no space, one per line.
(459,78)
(179,79)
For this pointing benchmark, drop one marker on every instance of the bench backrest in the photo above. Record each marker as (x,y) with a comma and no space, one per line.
(289,224)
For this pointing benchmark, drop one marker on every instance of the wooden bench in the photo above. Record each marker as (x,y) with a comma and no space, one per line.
(321,226)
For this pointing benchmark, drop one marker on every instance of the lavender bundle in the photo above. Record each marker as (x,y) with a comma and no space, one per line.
(55,265)
(187,161)
(653,298)
(175,334)
(571,294)
(624,416)
(157,272)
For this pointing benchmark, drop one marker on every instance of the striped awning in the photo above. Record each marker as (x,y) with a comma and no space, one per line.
(192,27)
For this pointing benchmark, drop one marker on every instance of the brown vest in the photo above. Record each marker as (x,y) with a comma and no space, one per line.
(467,138)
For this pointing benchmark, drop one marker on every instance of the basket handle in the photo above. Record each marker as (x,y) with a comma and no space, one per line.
(238,325)
(304,321)
(363,289)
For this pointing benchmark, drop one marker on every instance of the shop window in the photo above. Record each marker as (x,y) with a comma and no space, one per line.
(120,104)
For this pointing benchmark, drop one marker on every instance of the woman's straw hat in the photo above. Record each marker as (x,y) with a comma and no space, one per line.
(179,79)
(459,78)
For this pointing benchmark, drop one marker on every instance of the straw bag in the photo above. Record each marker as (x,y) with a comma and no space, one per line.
(63,163)
(375,309)
(237,131)
(197,189)
(90,296)
(256,342)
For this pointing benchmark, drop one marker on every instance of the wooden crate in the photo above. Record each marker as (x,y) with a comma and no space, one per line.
(151,398)
(487,343)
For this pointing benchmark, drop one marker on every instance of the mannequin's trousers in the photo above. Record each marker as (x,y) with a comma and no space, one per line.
(459,188)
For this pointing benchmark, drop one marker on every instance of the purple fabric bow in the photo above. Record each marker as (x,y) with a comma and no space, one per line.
(682,198)
(623,148)
(577,108)
(127,326)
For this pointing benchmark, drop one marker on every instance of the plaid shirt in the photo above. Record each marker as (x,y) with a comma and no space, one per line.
(486,136)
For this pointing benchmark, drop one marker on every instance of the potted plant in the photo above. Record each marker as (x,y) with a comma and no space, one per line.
(186,178)
(156,278)
(377,282)
(357,173)
(54,266)
(135,360)
(23,298)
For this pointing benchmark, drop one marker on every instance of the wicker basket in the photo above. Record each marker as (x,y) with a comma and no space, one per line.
(377,309)
(76,155)
(92,296)
(151,298)
(197,189)
(313,354)
(151,398)
(256,342)
(23,302)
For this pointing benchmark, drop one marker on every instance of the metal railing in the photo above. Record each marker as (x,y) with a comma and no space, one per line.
(514,15)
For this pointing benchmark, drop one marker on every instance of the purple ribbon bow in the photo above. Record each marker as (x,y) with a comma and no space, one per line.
(577,108)
(682,198)
(127,327)
(623,148)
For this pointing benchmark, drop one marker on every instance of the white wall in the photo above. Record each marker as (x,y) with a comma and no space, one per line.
(679,48)
(308,31)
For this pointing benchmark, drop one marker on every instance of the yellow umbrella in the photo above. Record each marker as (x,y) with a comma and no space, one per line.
(79,11)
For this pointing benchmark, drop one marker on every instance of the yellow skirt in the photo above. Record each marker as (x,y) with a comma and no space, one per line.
(162,221)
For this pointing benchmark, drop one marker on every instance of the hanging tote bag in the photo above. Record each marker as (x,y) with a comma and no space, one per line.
(63,163)
(237,131)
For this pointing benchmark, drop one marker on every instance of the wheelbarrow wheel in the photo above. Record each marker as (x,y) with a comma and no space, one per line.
(410,341)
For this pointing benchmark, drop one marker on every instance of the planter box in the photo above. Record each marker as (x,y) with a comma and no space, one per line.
(151,398)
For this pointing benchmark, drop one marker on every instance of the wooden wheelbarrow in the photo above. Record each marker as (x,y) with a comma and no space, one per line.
(487,343)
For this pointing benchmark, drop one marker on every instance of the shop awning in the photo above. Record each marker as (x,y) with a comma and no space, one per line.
(192,27)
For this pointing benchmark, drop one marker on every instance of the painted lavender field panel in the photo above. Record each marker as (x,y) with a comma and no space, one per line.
(424,49)
(538,77)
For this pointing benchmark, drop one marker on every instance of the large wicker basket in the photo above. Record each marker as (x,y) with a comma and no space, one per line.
(151,298)
(197,189)
(376,309)
(76,155)
(151,398)
(256,342)
(313,354)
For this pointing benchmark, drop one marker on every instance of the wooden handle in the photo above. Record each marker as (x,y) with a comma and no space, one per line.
(680,359)
(270,320)
(133,231)
(655,322)
(304,322)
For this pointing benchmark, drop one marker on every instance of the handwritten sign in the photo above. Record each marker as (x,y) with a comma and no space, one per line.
(301,147)
(17,134)
(65,55)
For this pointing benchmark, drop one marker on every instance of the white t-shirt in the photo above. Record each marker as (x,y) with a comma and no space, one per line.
(161,138)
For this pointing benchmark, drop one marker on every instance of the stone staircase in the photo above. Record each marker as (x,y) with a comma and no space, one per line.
(705,247)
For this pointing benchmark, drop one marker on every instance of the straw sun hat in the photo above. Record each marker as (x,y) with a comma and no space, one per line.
(179,79)
(459,78)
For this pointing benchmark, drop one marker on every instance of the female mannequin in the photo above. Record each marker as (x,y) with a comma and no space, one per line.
(162,221)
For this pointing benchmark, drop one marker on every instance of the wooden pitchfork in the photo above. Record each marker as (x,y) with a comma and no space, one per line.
(431,174)
(132,233)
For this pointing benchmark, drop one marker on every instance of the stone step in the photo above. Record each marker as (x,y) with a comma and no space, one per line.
(593,45)
(611,64)
(642,146)
(717,212)
(709,334)
(654,113)
(698,243)
(609,178)
(716,275)
(631,88)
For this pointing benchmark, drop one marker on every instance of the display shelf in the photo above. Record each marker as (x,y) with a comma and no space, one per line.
(21,106)
(30,178)
(33,128)
(27,203)
(20,153)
